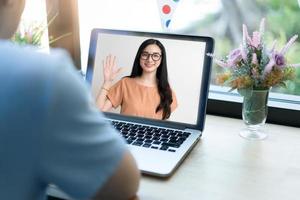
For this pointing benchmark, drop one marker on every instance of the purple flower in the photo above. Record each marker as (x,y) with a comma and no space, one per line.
(276,59)
(269,66)
(295,65)
(262,27)
(255,42)
(246,36)
(256,37)
(243,53)
(289,44)
(234,57)
(221,63)
(254,59)
(279,59)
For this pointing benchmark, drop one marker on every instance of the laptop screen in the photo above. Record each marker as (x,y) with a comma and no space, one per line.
(180,92)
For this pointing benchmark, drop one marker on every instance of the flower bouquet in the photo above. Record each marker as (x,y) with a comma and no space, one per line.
(253,69)
(32,33)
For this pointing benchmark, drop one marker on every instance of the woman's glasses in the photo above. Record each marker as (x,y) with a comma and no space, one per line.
(154,56)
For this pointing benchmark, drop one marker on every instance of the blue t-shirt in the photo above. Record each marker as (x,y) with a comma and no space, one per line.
(50,129)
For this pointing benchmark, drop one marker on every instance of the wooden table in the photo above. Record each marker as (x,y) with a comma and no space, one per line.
(224,166)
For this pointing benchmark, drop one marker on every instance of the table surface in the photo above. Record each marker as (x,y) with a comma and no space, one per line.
(224,166)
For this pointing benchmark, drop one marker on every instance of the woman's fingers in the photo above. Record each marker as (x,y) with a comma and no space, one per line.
(113,61)
(110,68)
(116,72)
(108,59)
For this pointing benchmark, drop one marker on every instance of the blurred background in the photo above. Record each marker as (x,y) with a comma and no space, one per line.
(71,22)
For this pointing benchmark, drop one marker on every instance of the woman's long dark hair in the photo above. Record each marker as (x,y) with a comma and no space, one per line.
(164,89)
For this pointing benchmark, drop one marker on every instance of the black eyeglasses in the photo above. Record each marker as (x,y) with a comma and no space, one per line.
(154,56)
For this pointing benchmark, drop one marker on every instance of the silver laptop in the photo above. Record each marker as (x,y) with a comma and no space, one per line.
(159,146)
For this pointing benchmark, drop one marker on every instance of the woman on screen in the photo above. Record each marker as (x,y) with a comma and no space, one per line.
(146,92)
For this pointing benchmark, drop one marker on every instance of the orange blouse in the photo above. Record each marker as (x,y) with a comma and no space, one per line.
(136,99)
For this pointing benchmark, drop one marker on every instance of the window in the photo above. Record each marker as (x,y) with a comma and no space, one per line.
(137,15)
(221,19)
(54,23)
(33,25)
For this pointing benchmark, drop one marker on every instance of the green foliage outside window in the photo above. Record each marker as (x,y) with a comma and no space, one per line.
(282,22)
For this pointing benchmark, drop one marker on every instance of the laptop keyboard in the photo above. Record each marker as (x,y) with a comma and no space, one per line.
(151,137)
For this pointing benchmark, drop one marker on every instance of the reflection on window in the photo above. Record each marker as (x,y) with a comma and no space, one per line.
(221,19)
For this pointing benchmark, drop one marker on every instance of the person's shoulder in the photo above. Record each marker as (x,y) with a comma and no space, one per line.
(129,79)
(31,58)
(128,82)
(126,79)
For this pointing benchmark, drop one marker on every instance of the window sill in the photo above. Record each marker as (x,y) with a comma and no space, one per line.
(283,109)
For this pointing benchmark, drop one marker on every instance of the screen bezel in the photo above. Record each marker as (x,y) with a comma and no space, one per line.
(206,71)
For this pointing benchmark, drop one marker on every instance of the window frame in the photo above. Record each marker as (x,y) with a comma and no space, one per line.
(67,21)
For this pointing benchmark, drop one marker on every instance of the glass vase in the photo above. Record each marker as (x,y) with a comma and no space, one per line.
(254,112)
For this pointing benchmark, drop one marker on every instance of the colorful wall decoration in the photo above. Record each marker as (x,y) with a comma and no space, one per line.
(166,11)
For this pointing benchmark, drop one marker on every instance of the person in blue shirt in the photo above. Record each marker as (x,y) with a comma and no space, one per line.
(50,129)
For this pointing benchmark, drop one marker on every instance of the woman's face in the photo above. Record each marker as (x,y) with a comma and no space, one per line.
(150,58)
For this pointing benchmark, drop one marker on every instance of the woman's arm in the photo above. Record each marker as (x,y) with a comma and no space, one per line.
(103,103)
(110,71)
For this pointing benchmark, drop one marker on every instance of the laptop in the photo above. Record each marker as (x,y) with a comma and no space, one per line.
(159,146)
